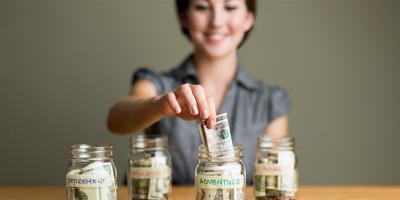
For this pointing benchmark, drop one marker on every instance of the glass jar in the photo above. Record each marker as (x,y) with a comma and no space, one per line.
(220,175)
(275,169)
(91,173)
(149,172)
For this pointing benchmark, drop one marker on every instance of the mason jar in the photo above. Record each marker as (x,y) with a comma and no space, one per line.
(91,173)
(149,172)
(220,175)
(275,169)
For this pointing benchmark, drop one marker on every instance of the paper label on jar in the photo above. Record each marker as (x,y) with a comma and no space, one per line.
(273,169)
(269,178)
(219,182)
(79,180)
(149,172)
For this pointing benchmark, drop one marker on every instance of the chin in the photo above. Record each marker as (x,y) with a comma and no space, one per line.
(218,52)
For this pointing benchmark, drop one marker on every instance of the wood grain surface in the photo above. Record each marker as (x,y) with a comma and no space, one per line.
(187,193)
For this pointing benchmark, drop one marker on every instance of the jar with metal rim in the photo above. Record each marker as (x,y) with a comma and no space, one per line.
(275,169)
(220,175)
(91,173)
(149,173)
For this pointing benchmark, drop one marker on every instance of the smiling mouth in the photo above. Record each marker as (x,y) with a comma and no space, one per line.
(215,37)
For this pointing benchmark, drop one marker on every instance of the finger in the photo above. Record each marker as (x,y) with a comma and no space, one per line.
(201,100)
(186,92)
(213,115)
(173,102)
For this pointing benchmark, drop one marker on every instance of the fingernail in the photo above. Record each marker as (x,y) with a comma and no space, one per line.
(177,109)
(194,110)
(211,124)
(205,114)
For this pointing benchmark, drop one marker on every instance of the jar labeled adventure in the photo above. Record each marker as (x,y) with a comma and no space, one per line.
(220,175)
(275,169)
(91,173)
(149,173)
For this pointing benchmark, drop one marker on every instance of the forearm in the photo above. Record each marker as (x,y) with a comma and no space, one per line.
(278,128)
(133,114)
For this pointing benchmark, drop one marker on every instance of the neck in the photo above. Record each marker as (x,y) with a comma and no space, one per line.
(220,71)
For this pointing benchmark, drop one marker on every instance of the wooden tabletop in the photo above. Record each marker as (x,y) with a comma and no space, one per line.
(187,193)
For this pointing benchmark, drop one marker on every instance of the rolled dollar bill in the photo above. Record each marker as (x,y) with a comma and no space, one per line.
(219,138)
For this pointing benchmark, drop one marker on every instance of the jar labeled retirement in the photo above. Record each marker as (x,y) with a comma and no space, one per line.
(220,176)
(149,173)
(275,169)
(91,173)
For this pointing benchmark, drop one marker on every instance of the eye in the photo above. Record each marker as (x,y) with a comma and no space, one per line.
(230,8)
(201,7)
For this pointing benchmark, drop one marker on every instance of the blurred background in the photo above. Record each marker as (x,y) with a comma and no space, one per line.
(63,64)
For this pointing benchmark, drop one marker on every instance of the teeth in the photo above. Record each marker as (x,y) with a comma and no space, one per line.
(215,36)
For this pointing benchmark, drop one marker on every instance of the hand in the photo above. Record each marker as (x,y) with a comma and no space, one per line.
(188,102)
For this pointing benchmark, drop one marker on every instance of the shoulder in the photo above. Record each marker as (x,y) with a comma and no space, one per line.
(275,91)
(277,100)
(167,80)
(265,90)
(272,98)
(274,94)
(163,81)
(148,73)
(263,102)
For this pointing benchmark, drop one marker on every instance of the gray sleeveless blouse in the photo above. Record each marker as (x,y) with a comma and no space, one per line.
(250,105)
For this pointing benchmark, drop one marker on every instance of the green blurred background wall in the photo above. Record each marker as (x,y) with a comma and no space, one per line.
(63,64)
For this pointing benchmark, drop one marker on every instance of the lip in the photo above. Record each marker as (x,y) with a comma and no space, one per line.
(215,37)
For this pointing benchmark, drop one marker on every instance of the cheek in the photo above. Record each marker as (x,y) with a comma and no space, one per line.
(237,24)
(197,22)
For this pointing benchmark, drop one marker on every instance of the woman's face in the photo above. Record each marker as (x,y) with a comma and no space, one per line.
(216,27)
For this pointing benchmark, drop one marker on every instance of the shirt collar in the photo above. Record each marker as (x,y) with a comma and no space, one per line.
(186,72)
(245,79)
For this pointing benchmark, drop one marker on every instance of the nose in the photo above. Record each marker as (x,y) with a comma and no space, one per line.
(217,18)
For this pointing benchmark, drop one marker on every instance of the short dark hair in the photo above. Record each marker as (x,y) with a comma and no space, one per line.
(183,5)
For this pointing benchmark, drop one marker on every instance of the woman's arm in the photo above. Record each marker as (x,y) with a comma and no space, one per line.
(136,111)
(278,128)
(143,107)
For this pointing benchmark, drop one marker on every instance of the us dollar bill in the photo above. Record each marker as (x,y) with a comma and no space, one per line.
(275,176)
(159,182)
(219,138)
(96,181)
(150,178)
(139,185)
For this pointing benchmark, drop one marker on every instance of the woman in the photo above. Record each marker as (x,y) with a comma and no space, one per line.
(209,81)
